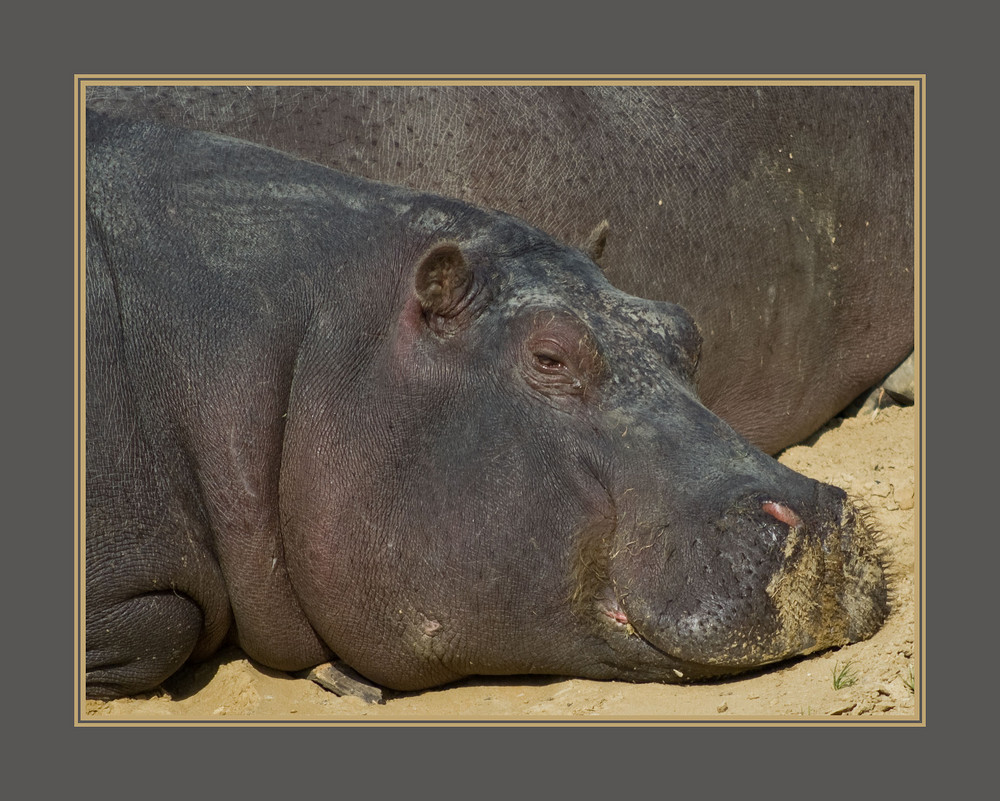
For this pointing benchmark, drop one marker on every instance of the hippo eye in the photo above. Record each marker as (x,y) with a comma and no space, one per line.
(548,363)
(560,359)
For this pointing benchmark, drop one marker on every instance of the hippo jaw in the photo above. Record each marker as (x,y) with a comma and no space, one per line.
(827,587)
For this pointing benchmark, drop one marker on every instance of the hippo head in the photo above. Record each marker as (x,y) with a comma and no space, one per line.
(525,482)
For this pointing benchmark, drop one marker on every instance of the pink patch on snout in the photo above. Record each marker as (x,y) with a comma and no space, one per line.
(783,513)
(617,615)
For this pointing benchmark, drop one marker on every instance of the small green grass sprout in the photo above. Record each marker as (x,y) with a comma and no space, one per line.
(908,680)
(843,676)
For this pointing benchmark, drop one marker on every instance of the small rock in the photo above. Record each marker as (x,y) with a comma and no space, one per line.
(722,708)
(905,495)
(900,382)
(882,489)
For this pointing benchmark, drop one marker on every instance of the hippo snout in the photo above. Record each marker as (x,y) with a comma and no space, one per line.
(775,575)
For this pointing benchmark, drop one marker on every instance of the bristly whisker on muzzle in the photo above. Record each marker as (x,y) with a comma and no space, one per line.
(861,514)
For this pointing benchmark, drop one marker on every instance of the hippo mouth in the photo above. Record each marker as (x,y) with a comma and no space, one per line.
(766,584)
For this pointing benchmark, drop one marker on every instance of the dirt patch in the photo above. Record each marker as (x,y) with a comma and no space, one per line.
(871,457)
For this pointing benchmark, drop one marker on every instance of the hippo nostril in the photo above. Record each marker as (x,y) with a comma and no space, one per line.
(781,512)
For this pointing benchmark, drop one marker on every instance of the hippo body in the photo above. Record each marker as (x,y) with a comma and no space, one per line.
(326,415)
(780,217)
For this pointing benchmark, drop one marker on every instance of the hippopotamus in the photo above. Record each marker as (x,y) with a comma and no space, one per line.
(780,217)
(329,416)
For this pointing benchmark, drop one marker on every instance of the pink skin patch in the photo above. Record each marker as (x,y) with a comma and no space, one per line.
(617,615)
(781,512)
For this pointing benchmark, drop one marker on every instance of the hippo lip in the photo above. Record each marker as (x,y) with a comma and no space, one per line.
(673,667)
(668,666)
(599,598)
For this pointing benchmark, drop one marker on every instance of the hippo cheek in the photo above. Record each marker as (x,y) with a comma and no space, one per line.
(763,583)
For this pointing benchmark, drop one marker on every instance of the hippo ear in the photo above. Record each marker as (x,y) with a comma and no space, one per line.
(443,280)
(594,246)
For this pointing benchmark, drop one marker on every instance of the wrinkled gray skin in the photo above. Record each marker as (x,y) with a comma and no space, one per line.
(332,416)
(779,217)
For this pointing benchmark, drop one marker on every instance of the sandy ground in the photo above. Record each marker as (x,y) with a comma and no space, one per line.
(870,457)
